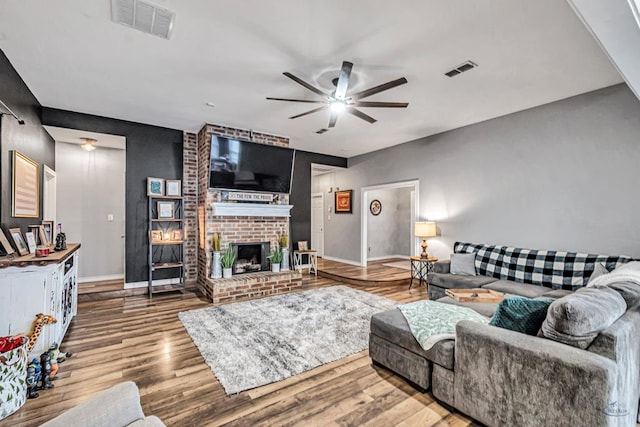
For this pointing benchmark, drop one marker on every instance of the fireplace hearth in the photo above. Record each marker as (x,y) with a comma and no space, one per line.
(250,257)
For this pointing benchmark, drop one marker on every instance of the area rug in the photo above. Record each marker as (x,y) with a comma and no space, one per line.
(405,265)
(258,342)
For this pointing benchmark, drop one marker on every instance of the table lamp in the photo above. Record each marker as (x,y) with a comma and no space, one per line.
(425,229)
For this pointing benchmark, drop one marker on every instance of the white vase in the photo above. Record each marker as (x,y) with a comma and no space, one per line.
(275,267)
(216,271)
(227,272)
(284,265)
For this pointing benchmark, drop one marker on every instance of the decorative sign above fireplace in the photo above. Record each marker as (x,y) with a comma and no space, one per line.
(249,197)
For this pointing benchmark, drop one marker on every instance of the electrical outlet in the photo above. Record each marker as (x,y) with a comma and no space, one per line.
(110,217)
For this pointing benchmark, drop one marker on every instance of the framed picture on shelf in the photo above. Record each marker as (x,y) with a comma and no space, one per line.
(6,246)
(165,210)
(303,246)
(31,241)
(155,186)
(48,230)
(40,235)
(18,241)
(174,188)
(156,236)
(25,187)
(343,201)
(176,235)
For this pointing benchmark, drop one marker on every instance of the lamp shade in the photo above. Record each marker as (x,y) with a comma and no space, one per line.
(425,229)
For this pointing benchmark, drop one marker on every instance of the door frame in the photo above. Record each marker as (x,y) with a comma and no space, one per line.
(364,192)
(49,182)
(321,195)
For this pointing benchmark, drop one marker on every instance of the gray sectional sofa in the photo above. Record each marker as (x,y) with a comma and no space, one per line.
(501,377)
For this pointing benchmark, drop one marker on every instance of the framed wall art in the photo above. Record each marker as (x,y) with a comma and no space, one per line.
(375,207)
(6,246)
(25,186)
(18,241)
(155,186)
(343,201)
(302,245)
(174,188)
(165,210)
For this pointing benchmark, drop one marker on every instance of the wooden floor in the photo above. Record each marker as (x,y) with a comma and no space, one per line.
(375,274)
(140,340)
(106,289)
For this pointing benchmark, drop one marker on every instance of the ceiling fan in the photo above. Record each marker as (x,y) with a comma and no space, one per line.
(338,100)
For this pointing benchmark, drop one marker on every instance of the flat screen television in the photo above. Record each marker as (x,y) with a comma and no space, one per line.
(249,166)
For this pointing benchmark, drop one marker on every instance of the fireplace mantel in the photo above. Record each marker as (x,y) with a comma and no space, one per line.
(251,209)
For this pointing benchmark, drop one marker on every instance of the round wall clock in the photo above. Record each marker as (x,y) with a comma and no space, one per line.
(375,207)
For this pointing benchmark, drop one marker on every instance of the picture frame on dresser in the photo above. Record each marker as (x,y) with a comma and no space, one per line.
(6,246)
(31,241)
(18,241)
(47,226)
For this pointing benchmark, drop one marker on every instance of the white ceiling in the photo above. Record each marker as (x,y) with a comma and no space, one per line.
(73,136)
(232,53)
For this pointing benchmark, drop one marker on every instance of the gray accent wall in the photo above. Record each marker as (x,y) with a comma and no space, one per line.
(91,185)
(561,176)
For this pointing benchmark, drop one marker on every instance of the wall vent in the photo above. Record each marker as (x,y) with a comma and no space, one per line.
(321,131)
(465,66)
(143,16)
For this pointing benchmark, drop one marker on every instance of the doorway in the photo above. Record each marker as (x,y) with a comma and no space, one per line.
(49,196)
(317,223)
(408,191)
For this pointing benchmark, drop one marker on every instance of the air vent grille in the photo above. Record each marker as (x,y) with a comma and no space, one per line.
(465,66)
(143,16)
(321,131)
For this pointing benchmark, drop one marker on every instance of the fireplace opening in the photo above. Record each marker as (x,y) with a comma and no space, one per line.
(250,257)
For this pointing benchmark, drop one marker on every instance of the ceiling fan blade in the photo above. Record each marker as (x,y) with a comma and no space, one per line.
(311,101)
(333,119)
(361,115)
(343,80)
(380,88)
(315,110)
(305,84)
(380,104)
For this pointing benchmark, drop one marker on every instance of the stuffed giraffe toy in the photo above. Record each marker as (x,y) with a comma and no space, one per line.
(36,328)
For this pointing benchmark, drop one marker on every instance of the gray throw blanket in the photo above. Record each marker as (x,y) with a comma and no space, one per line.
(432,321)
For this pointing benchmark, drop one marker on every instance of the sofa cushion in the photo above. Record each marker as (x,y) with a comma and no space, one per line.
(463,264)
(577,319)
(457,281)
(521,314)
(485,308)
(392,326)
(515,288)
(557,293)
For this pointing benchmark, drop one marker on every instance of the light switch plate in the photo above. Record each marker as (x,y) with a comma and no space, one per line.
(109,217)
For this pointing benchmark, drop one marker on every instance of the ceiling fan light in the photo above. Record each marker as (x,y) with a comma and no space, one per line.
(89,144)
(338,106)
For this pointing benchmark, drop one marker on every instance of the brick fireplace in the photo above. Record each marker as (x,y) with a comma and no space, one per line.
(238,223)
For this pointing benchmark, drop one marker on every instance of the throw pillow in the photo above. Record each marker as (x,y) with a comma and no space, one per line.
(463,264)
(577,319)
(598,270)
(521,314)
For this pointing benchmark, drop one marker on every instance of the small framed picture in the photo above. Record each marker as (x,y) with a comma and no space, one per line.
(156,236)
(18,241)
(176,235)
(302,245)
(31,241)
(174,188)
(343,201)
(48,231)
(165,210)
(6,246)
(155,186)
(40,235)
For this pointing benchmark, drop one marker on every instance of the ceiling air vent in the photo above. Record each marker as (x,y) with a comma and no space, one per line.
(465,66)
(321,131)
(143,16)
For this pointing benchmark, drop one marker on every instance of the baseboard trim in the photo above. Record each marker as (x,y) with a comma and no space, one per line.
(378,258)
(344,261)
(134,285)
(100,278)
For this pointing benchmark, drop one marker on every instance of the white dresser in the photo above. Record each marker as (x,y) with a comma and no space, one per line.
(30,285)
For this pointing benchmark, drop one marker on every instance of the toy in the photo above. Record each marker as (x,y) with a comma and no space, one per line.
(33,376)
(53,356)
(36,328)
(45,365)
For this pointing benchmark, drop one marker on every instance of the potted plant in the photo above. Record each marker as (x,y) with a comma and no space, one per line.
(284,245)
(276,258)
(227,262)
(216,271)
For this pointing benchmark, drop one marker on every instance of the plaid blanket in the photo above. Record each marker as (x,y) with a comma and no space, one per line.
(552,269)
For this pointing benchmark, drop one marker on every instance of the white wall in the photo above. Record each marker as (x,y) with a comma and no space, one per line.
(91,186)
(388,233)
(561,176)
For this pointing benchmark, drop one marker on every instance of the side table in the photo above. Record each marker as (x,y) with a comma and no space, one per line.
(420,267)
(312,260)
